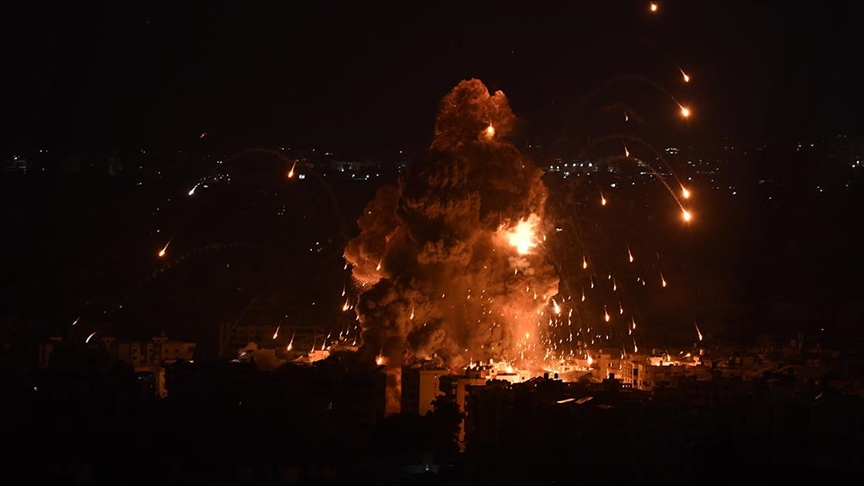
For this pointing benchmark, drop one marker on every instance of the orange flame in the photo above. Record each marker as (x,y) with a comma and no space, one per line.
(523,236)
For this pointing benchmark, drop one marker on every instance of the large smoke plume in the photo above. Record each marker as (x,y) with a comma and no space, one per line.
(450,264)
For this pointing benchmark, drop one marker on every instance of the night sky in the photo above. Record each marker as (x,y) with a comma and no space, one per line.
(365,78)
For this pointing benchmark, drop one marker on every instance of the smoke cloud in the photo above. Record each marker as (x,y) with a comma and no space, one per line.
(450,264)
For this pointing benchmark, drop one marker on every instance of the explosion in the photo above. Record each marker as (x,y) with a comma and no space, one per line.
(449,265)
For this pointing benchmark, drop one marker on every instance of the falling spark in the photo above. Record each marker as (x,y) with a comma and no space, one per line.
(684,75)
(87,341)
(291,342)
(203,134)
(685,193)
(629,255)
(192,191)
(686,215)
(626,152)
(698,332)
(584,263)
(653,7)
(602,199)
(412,314)
(614,285)
(490,131)
(346,306)
(76,321)
(590,360)
(685,112)
(291,172)
(379,360)
(620,309)
(583,295)
(635,348)
(605,314)
(378,268)
(557,307)
(633,321)
(164,249)
(626,118)
(275,334)
(662,280)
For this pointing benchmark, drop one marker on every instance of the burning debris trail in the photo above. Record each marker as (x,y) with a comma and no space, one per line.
(450,264)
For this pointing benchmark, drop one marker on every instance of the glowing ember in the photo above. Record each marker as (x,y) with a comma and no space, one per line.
(602,199)
(164,249)
(653,7)
(685,112)
(685,193)
(291,172)
(276,334)
(86,341)
(686,215)
(698,332)
(490,131)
